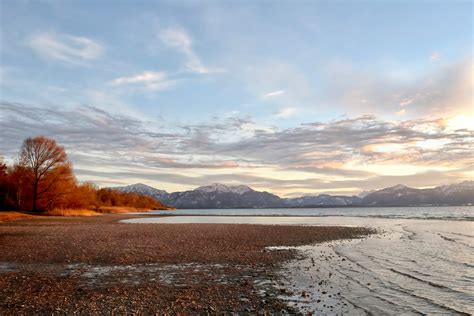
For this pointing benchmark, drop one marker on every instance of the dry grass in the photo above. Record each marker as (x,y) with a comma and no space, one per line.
(7,216)
(71,212)
(12,216)
(120,209)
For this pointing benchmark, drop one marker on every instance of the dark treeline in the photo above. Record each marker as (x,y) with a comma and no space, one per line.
(42,179)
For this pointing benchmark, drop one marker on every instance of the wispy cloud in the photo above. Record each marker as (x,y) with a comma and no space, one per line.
(181,41)
(363,152)
(273,94)
(286,112)
(401,112)
(435,56)
(406,102)
(65,47)
(150,80)
(277,82)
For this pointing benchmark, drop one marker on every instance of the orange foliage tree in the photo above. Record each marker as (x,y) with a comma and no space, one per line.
(110,197)
(43,180)
(56,188)
(3,182)
(84,196)
(47,163)
(19,188)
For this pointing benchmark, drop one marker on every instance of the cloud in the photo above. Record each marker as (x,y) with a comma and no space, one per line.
(286,112)
(273,94)
(442,91)
(66,48)
(181,41)
(344,141)
(435,56)
(144,77)
(406,102)
(348,154)
(279,82)
(149,79)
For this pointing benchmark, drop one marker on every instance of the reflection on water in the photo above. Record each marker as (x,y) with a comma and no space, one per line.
(416,266)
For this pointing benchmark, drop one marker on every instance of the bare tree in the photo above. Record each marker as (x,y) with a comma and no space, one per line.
(42,156)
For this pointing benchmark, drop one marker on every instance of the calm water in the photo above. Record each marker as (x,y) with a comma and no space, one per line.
(422,263)
(440,212)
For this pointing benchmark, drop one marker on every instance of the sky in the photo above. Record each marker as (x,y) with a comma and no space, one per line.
(292,97)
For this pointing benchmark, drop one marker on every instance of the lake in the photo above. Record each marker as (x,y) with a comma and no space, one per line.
(423,212)
(422,261)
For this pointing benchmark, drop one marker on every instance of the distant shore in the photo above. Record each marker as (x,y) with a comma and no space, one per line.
(96,264)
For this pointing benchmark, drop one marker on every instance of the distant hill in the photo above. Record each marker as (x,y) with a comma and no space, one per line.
(222,196)
(212,196)
(323,200)
(143,189)
(400,195)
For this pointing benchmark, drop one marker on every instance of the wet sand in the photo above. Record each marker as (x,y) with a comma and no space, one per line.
(87,265)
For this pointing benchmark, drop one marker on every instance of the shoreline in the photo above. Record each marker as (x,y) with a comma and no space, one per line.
(433,218)
(97,264)
(462,213)
(387,273)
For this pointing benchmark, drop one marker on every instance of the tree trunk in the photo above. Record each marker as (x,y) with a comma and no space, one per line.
(18,197)
(35,193)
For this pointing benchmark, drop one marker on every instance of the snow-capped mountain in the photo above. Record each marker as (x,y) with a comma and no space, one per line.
(144,189)
(456,188)
(219,195)
(363,194)
(456,194)
(400,195)
(222,196)
(323,200)
(221,188)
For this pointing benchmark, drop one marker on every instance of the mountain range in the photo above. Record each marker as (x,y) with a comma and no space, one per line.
(240,196)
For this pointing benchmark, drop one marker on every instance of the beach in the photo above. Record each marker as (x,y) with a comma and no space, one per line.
(419,262)
(99,264)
